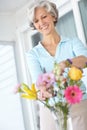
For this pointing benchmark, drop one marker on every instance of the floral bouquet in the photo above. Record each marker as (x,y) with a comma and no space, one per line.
(57,90)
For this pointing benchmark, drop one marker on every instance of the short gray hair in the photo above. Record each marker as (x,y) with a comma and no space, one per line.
(49,6)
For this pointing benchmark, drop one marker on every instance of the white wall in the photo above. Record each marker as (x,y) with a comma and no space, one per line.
(9,23)
(21,17)
(7,27)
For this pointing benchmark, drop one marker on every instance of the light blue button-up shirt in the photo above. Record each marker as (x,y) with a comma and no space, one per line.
(39,58)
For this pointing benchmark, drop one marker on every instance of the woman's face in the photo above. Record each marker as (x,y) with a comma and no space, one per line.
(43,21)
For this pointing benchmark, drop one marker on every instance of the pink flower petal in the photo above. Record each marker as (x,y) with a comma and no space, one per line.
(73,94)
(45,79)
(17,88)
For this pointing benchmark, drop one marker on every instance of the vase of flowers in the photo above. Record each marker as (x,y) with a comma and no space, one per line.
(57,90)
(60,118)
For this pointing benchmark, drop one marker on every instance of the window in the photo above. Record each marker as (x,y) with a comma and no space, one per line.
(83,8)
(11,117)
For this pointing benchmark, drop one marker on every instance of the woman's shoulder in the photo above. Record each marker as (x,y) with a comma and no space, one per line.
(34,51)
(72,40)
(64,38)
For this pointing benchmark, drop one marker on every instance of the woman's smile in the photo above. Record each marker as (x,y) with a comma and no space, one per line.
(44,27)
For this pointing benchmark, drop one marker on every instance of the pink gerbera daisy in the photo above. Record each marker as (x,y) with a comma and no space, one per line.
(73,94)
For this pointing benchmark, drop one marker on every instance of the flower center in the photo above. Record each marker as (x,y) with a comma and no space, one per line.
(73,94)
(49,78)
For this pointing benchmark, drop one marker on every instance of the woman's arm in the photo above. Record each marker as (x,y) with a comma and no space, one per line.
(80,55)
(33,66)
(79,61)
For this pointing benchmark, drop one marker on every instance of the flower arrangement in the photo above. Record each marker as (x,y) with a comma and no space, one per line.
(57,90)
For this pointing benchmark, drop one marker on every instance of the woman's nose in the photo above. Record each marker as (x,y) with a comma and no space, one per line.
(41,22)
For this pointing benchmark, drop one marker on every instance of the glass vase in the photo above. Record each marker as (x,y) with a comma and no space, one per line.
(60,119)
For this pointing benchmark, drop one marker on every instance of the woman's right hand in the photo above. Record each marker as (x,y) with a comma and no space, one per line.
(62,66)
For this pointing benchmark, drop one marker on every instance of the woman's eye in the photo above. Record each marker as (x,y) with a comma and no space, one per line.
(44,16)
(35,21)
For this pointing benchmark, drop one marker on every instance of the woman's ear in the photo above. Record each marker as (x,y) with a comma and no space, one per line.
(54,18)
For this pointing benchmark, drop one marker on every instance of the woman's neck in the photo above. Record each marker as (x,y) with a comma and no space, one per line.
(51,39)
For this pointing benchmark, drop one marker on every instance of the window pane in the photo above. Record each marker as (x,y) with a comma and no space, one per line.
(83,10)
(67,21)
(10,106)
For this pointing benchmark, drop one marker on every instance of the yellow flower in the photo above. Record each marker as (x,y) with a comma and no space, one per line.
(75,73)
(29,93)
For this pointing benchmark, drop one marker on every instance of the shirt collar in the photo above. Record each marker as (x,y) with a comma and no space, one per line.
(63,39)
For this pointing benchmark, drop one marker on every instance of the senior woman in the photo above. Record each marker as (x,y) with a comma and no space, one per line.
(43,17)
